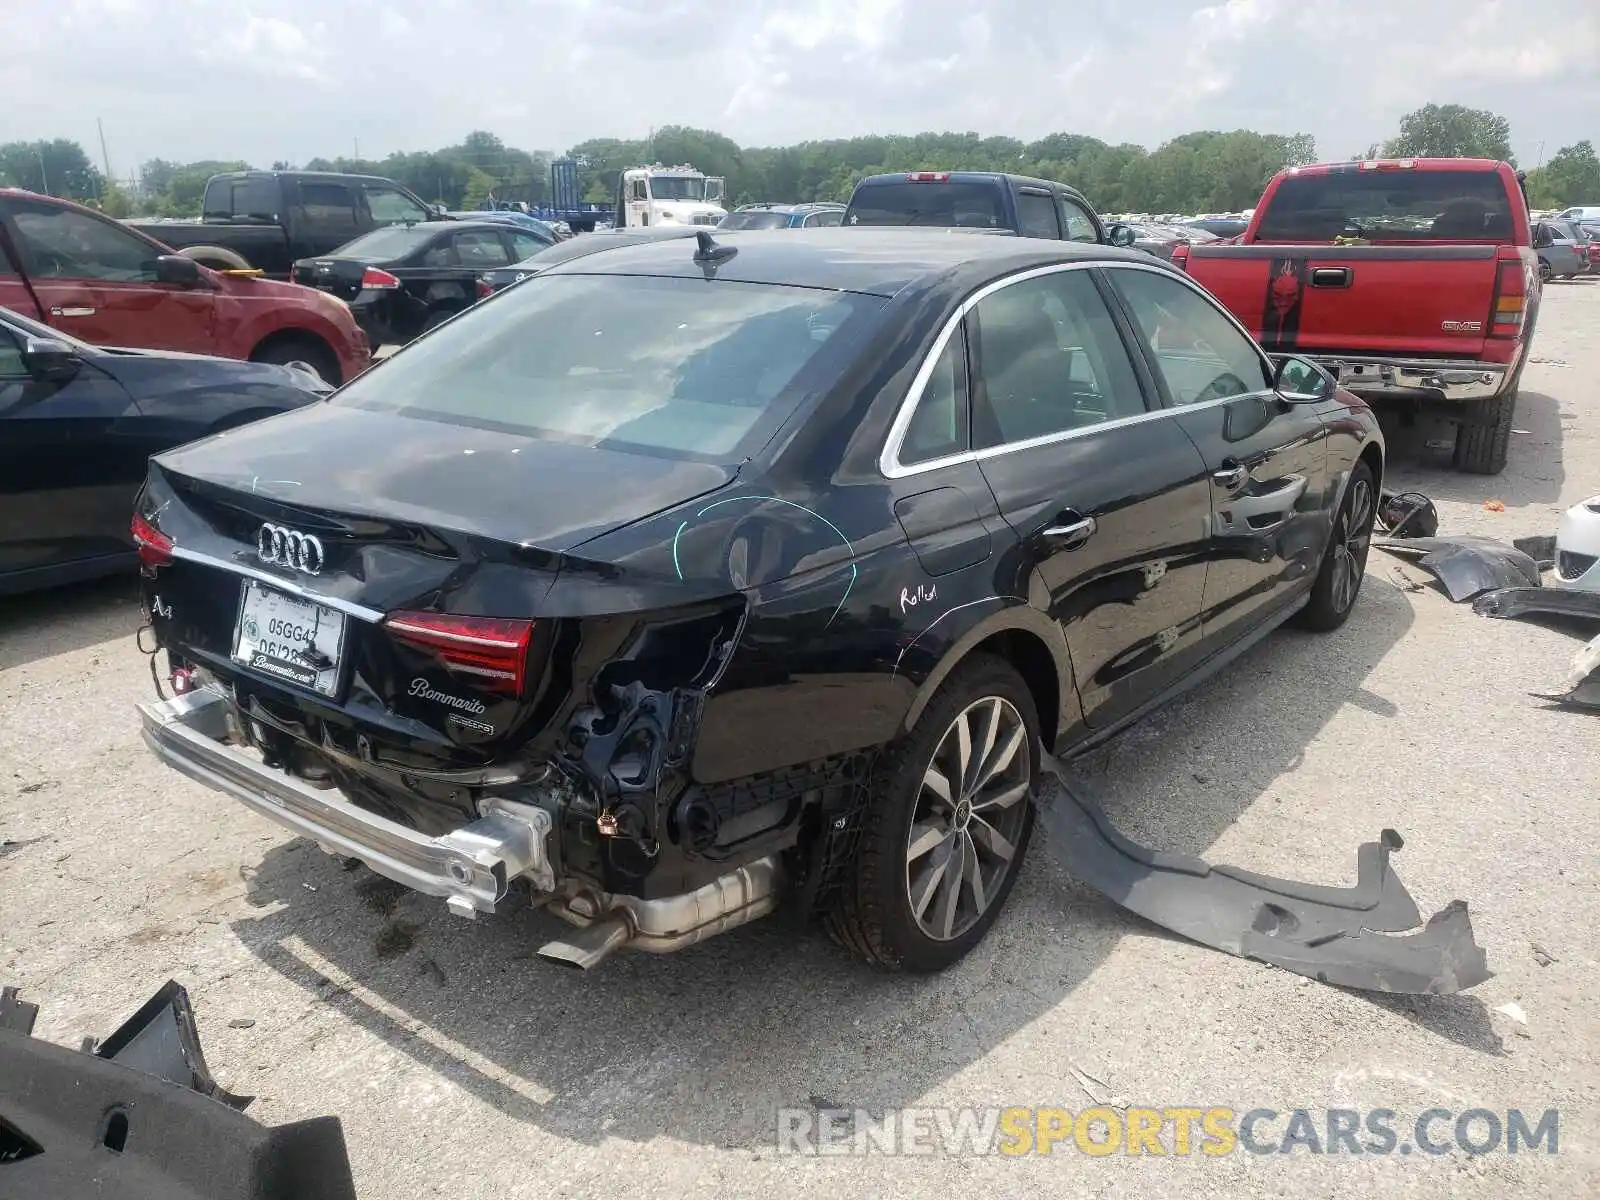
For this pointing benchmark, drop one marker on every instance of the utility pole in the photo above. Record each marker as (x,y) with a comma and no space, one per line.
(105,159)
(44,176)
(1541,157)
(358,149)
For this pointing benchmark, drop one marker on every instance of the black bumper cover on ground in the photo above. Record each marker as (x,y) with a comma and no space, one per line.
(1335,935)
(141,1119)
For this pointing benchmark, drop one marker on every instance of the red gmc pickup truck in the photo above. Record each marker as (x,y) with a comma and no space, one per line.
(70,267)
(1413,280)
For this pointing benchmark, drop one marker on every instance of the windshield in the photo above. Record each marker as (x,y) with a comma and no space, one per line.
(1389,205)
(677,187)
(386,244)
(754,220)
(686,368)
(964,205)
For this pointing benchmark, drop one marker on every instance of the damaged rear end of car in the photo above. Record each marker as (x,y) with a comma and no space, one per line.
(445,625)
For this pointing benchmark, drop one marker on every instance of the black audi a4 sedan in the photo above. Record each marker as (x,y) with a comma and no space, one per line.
(78,424)
(699,577)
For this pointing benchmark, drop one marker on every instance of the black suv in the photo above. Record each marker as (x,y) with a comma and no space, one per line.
(985,200)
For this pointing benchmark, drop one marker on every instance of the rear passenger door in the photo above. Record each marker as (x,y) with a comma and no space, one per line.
(325,218)
(1106,493)
(1270,497)
(1036,214)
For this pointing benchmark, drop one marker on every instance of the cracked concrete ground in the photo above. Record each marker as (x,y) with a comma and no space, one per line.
(463,1067)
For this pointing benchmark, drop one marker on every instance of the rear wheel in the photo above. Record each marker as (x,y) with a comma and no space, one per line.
(1544,270)
(1344,562)
(947,825)
(307,352)
(1483,440)
(436,318)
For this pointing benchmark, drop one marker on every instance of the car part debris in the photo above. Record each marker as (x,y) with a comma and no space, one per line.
(1407,514)
(1334,935)
(140,1118)
(1541,549)
(1577,546)
(1583,681)
(1514,602)
(1467,565)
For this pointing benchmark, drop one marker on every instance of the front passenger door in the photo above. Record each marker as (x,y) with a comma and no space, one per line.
(1270,499)
(1106,496)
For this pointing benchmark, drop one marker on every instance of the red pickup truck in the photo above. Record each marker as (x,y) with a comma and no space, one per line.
(1413,280)
(73,268)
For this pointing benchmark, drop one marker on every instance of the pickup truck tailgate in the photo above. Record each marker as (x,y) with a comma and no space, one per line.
(1337,299)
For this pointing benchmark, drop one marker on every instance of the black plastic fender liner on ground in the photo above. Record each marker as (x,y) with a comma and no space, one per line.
(141,1119)
(1335,935)
(1467,565)
(1513,602)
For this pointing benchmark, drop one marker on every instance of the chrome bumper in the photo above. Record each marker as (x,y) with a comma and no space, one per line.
(471,867)
(1455,380)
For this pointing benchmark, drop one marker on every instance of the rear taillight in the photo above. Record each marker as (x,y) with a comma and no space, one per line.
(493,651)
(379,280)
(1510,299)
(928,176)
(155,547)
(1180,256)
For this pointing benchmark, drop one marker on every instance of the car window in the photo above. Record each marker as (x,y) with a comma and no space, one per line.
(1389,205)
(481,248)
(391,207)
(1036,216)
(1200,354)
(939,426)
(1077,224)
(677,367)
(754,220)
(251,196)
(327,201)
(11,366)
(827,217)
(525,245)
(1047,358)
(388,243)
(967,204)
(62,243)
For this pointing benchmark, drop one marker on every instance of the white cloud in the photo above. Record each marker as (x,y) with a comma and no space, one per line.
(293,79)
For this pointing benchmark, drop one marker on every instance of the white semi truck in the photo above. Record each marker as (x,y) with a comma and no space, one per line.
(661,195)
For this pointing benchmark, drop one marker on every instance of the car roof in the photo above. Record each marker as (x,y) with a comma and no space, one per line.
(877,261)
(971,177)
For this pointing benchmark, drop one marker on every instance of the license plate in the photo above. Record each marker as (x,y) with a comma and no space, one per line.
(287,638)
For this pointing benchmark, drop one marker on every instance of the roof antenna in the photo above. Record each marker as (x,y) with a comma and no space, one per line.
(709,251)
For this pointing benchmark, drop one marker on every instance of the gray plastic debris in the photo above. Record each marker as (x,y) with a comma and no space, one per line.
(1468,564)
(1335,935)
(1583,680)
(1512,602)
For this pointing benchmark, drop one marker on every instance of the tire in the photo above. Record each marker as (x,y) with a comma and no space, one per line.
(218,258)
(436,318)
(875,919)
(1483,443)
(1544,271)
(1344,562)
(307,350)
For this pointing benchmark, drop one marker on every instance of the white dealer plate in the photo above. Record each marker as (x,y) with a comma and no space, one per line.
(287,638)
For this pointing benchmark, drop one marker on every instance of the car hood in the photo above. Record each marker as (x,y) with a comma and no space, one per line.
(177,370)
(518,490)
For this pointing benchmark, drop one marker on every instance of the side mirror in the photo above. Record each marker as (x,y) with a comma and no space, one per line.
(178,271)
(1543,236)
(1122,235)
(50,361)
(1301,381)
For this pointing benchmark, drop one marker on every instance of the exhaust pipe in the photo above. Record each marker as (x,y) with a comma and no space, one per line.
(667,924)
(584,948)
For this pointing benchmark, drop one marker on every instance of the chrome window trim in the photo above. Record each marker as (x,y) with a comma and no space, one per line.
(889,460)
(348,607)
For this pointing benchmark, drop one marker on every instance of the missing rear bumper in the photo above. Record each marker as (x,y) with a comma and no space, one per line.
(1334,935)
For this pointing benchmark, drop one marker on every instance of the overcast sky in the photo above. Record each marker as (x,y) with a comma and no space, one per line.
(294,79)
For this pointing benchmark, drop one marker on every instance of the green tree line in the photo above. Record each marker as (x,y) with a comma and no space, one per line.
(1204,171)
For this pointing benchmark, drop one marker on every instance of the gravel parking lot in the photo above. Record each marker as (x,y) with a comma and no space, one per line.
(463,1066)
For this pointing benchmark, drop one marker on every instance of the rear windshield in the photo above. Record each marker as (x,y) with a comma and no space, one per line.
(1389,205)
(754,220)
(386,244)
(968,205)
(685,368)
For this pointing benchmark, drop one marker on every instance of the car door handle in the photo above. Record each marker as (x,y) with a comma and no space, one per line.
(1070,529)
(1332,277)
(1265,512)
(72,311)
(1231,478)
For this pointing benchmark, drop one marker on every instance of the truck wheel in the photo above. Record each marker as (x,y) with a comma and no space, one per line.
(1544,270)
(218,258)
(1344,562)
(947,823)
(436,318)
(307,351)
(1484,442)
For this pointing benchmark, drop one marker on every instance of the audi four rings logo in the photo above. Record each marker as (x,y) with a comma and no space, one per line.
(289,548)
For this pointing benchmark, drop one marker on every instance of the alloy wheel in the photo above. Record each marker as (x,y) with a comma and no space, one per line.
(1351,538)
(970,813)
